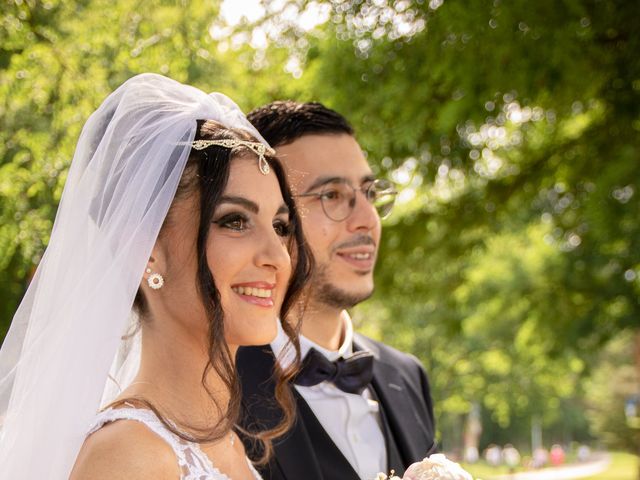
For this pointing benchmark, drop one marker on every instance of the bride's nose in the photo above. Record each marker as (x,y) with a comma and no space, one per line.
(273,253)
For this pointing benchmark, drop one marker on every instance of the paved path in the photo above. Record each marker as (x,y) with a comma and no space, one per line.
(597,464)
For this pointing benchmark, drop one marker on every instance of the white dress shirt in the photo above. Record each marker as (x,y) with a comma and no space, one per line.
(351,420)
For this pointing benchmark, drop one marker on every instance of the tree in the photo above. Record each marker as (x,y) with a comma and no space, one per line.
(507,124)
(512,128)
(614,382)
(58,61)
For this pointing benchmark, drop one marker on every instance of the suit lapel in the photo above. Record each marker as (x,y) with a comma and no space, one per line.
(394,459)
(295,452)
(308,452)
(294,455)
(405,425)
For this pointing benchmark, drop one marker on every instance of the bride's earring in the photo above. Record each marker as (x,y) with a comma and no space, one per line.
(155,280)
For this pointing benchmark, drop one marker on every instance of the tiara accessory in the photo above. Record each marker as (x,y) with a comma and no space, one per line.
(256,147)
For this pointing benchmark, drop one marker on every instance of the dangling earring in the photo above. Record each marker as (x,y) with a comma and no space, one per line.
(155,280)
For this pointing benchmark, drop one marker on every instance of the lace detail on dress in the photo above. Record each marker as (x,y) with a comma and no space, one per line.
(194,464)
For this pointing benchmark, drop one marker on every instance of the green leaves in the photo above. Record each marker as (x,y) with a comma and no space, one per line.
(513,127)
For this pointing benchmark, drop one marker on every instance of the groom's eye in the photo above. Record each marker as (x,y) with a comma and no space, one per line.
(332,195)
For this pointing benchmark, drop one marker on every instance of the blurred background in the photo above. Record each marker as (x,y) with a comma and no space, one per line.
(511,263)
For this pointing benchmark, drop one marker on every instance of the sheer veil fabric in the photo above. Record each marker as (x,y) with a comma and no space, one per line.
(67,352)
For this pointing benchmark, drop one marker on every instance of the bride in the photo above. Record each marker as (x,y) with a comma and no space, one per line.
(172,246)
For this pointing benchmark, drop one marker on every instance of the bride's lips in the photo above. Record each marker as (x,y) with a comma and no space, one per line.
(255,293)
(362,258)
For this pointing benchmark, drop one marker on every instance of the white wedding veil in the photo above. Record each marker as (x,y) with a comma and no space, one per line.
(66,338)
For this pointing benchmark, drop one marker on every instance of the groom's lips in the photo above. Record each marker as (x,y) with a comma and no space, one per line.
(362,258)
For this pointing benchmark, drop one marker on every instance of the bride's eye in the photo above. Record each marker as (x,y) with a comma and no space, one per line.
(282,228)
(233,221)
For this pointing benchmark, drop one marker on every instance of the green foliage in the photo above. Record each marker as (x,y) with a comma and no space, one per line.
(58,61)
(512,127)
(614,381)
(495,106)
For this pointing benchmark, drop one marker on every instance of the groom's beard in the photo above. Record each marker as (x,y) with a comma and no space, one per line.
(328,294)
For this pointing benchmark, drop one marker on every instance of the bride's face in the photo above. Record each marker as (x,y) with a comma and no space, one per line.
(246,253)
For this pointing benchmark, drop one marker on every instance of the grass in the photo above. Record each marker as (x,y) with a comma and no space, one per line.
(484,470)
(624,466)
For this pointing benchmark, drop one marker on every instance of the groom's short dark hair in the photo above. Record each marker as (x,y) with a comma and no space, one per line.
(284,121)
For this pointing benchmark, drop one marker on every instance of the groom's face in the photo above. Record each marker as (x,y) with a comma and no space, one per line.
(345,251)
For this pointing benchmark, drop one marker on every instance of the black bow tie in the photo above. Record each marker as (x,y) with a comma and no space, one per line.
(350,375)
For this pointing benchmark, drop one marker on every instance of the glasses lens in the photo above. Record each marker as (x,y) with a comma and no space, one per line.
(383,196)
(338,200)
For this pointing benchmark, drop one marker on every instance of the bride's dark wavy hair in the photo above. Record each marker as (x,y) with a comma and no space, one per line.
(206,173)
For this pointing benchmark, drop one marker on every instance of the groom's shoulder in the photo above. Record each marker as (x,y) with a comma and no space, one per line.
(387,353)
(254,364)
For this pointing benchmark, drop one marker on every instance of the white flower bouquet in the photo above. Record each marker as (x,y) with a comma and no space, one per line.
(434,467)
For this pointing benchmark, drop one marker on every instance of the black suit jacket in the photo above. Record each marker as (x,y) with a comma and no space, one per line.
(307,452)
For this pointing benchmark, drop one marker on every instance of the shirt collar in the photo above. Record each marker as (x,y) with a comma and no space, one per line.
(284,350)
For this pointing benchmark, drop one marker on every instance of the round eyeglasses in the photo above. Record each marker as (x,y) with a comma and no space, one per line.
(338,198)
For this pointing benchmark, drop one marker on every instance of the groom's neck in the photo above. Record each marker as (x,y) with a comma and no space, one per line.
(324,326)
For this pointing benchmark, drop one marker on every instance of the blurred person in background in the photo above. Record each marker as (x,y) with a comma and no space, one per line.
(511,457)
(493,455)
(540,457)
(557,455)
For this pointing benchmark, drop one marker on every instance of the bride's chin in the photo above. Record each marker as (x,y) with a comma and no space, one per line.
(254,333)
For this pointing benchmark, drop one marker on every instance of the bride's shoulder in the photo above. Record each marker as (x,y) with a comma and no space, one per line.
(125,449)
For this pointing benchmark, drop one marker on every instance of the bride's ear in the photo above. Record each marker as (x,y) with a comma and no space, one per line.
(155,270)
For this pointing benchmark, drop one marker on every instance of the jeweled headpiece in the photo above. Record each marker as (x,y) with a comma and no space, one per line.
(256,147)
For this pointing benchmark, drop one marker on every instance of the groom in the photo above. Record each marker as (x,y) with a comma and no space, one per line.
(362,406)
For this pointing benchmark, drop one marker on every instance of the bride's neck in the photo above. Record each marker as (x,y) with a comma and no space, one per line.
(171,378)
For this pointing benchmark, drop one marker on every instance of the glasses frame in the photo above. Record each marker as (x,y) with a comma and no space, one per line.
(369,193)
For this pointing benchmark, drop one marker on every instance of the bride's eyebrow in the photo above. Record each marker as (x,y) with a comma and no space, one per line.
(250,205)
(243,202)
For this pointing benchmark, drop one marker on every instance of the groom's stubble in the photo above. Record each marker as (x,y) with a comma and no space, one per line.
(324,292)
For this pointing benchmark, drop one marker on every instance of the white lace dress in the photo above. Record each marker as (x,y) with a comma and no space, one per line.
(194,464)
